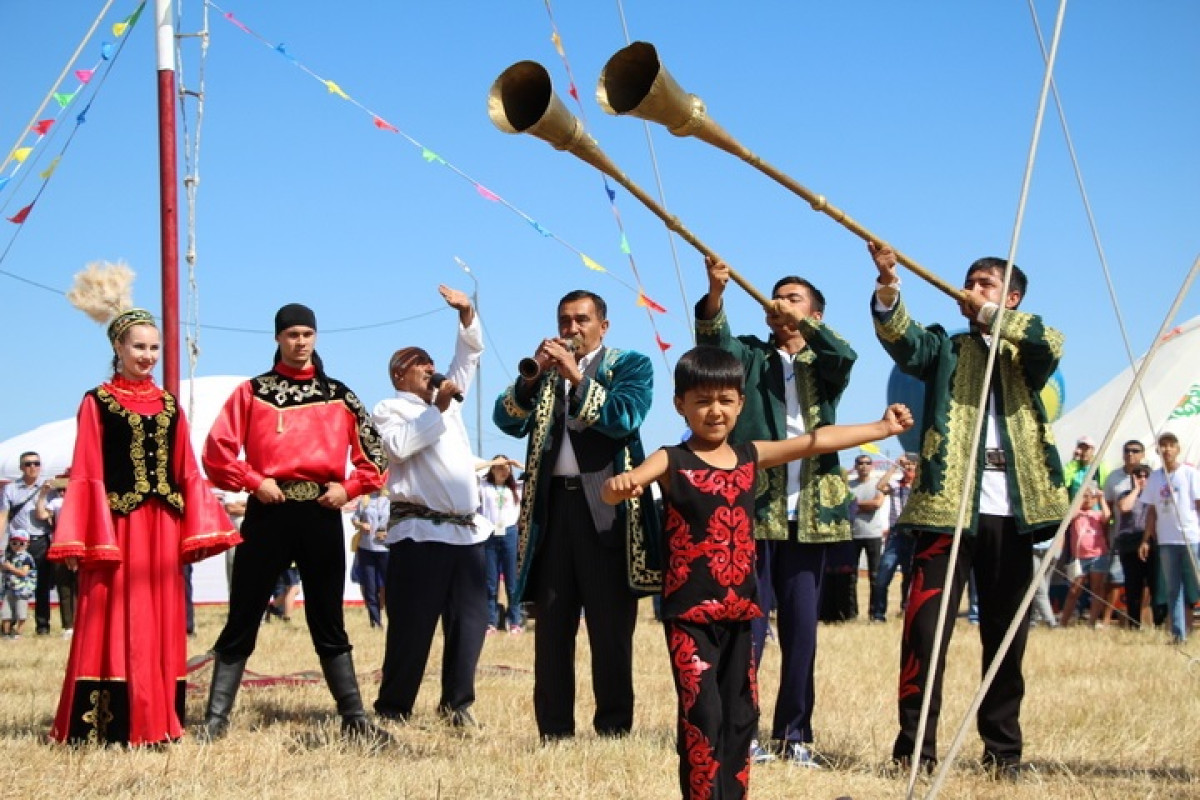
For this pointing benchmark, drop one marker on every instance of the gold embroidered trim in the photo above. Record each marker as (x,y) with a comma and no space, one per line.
(160,442)
(711,327)
(511,407)
(893,328)
(368,436)
(99,716)
(589,409)
(543,411)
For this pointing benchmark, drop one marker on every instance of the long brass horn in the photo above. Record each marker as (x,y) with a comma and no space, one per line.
(522,100)
(635,83)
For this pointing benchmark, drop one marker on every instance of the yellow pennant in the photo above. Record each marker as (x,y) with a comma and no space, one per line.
(119,28)
(590,264)
(21,153)
(335,89)
(48,171)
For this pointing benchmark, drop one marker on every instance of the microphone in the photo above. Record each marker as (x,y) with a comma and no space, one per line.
(437,379)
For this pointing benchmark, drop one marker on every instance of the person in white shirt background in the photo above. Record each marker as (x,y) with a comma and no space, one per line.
(1172,497)
(500,503)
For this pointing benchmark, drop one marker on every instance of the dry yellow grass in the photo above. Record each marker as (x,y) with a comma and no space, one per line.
(1108,714)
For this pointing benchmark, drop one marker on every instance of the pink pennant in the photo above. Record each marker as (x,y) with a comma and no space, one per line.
(229,16)
(84,75)
(486,193)
(43,126)
(21,215)
(384,125)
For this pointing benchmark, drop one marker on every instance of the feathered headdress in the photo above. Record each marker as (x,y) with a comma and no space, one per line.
(104,291)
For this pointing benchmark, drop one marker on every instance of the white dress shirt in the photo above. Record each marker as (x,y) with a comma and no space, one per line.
(429,455)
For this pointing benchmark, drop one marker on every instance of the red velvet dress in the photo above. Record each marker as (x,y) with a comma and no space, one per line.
(126,674)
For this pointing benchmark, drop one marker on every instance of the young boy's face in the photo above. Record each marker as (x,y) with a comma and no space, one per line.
(710,413)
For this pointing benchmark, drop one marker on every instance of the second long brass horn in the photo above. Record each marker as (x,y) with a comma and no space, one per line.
(635,83)
(522,100)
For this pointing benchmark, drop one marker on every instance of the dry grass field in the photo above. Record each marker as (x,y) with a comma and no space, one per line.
(1108,714)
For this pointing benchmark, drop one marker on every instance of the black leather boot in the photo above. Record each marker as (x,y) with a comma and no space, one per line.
(226,679)
(343,685)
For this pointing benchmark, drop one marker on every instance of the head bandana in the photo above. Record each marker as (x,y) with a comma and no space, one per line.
(294,314)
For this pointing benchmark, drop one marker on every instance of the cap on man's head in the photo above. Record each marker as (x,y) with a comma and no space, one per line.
(406,357)
(294,314)
(19,536)
(1167,436)
(1086,441)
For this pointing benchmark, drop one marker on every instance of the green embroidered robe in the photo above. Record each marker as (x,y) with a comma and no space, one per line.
(822,373)
(952,368)
(608,408)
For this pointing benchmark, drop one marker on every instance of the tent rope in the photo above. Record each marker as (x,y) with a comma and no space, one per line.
(965,500)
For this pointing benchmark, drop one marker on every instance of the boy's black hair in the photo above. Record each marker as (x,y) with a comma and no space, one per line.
(708,367)
(814,294)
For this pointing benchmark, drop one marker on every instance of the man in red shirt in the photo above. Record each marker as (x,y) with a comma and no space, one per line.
(296,427)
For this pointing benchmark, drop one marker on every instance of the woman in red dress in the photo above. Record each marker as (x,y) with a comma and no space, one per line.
(138,509)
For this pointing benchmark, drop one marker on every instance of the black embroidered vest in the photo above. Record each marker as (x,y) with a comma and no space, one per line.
(137,453)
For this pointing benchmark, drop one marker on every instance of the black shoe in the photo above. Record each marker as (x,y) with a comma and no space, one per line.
(458,717)
(43,632)
(1009,769)
(901,766)
(360,729)
(222,691)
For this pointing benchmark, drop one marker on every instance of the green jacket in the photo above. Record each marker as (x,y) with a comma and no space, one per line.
(952,368)
(822,373)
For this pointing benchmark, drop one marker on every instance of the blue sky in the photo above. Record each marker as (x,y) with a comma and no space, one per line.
(916,118)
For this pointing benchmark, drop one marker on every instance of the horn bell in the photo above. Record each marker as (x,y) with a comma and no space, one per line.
(522,100)
(634,82)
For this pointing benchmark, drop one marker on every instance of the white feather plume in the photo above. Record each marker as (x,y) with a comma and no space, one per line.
(102,290)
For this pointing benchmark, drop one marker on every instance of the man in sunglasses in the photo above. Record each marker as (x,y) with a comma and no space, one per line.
(17,505)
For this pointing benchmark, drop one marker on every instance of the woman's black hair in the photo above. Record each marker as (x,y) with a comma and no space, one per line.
(708,367)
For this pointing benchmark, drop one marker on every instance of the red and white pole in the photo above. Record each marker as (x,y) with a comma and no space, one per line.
(168,178)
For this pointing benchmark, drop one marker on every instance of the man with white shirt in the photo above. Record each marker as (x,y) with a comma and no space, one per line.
(1172,500)
(1017,497)
(436,562)
(869,518)
(582,414)
(18,503)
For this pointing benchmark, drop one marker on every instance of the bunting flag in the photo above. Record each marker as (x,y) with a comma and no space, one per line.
(663,346)
(335,89)
(48,171)
(64,98)
(554,37)
(646,302)
(625,244)
(870,448)
(4,182)
(379,123)
(121,27)
(42,127)
(21,153)
(21,215)
(106,51)
(84,75)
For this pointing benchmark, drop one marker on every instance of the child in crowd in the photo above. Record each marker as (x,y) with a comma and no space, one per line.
(1089,549)
(18,577)
(709,589)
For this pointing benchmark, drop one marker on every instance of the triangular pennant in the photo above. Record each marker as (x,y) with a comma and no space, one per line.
(571,90)
(664,346)
(592,265)
(21,215)
(608,190)
(119,29)
(554,37)
(106,51)
(63,99)
(431,157)
(4,182)
(48,171)
(21,153)
(870,448)
(229,16)
(625,244)
(335,89)
(485,193)
(42,127)
(646,302)
(282,50)
(537,227)
(384,125)
(84,75)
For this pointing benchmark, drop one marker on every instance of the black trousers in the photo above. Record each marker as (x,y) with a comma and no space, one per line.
(714,673)
(66,581)
(427,581)
(273,537)
(1003,564)
(39,546)
(574,572)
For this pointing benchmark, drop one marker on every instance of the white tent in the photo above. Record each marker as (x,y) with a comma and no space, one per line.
(55,443)
(1169,400)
